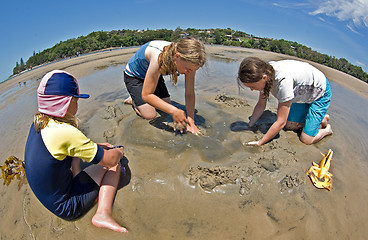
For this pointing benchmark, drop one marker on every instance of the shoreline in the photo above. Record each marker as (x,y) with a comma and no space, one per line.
(121,56)
(94,60)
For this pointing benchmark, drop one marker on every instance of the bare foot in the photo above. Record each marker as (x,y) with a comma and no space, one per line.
(128,101)
(105,221)
(328,128)
(325,120)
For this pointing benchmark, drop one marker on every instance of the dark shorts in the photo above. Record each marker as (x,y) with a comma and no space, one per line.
(134,86)
(82,197)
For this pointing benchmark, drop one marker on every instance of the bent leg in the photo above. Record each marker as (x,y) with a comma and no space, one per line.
(306,139)
(317,119)
(103,217)
(324,129)
(146,111)
(96,172)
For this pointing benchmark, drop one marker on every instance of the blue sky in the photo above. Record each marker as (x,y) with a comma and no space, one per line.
(336,27)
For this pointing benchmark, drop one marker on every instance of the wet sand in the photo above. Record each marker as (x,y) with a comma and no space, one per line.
(181,186)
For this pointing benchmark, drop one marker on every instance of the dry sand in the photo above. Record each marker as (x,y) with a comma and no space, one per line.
(189,187)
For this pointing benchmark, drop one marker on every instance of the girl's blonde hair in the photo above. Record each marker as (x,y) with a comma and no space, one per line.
(252,69)
(41,120)
(190,50)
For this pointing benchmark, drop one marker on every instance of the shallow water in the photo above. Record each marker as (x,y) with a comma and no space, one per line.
(212,187)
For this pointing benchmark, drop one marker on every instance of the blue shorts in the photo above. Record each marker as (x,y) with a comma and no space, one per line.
(311,114)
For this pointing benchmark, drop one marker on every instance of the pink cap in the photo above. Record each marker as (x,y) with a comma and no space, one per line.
(55,92)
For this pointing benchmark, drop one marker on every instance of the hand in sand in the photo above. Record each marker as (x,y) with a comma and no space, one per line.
(193,129)
(180,120)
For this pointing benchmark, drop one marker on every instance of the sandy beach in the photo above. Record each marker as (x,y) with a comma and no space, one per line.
(180,186)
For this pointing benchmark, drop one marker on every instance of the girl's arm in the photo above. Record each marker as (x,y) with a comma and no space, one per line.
(282,115)
(190,102)
(149,86)
(258,109)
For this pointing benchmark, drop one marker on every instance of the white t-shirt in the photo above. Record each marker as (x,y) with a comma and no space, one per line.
(297,81)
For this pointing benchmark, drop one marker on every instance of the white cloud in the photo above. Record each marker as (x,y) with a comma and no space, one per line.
(355,11)
(352,29)
(291,5)
(322,19)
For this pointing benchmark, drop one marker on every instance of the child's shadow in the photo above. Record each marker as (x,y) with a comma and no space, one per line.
(163,121)
(263,124)
(125,173)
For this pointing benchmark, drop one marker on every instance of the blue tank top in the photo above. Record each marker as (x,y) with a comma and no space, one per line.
(138,64)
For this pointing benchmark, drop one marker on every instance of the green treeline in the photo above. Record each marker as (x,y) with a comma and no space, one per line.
(125,38)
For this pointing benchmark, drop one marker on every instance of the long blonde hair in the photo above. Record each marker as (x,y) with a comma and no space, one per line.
(41,120)
(190,50)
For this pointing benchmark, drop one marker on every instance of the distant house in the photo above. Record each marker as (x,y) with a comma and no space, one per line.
(256,38)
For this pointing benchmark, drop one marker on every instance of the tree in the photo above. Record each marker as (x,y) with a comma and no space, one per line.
(16,68)
(219,36)
(22,63)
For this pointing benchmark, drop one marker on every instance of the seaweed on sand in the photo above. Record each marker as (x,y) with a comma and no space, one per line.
(13,168)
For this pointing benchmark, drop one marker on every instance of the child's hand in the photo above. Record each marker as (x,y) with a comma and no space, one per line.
(253,143)
(193,129)
(180,120)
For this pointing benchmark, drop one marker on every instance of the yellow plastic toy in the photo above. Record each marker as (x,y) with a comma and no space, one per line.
(319,174)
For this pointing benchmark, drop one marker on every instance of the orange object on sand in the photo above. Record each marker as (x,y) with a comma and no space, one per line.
(319,174)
